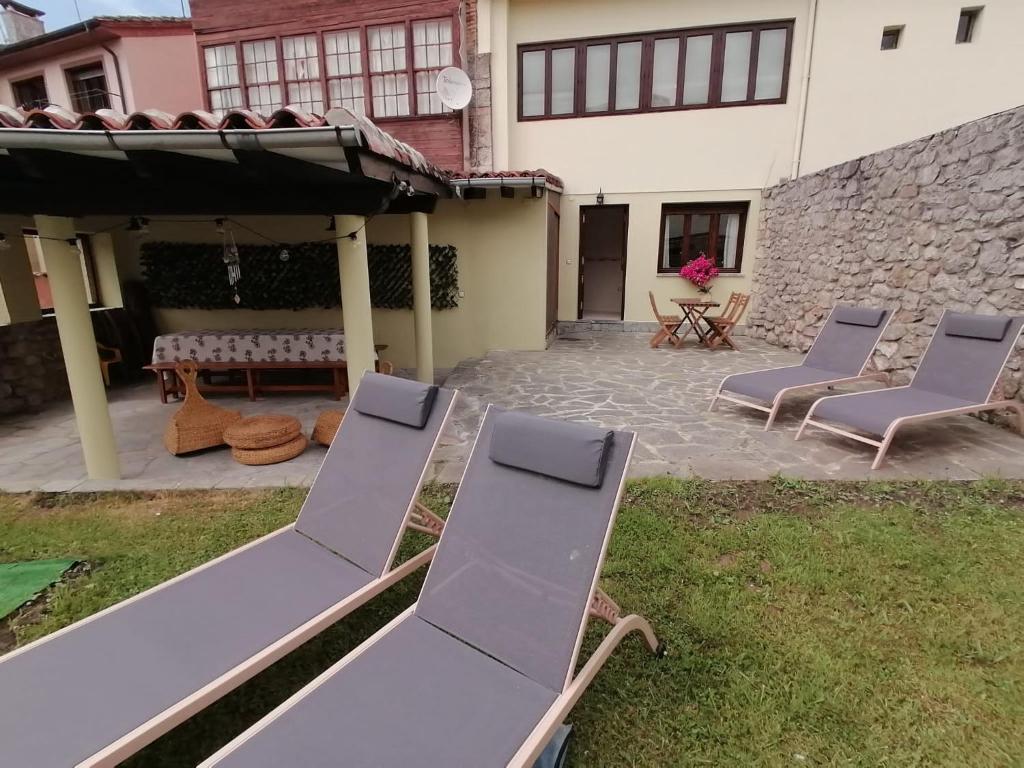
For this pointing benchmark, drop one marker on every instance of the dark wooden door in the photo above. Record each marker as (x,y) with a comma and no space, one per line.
(554,221)
(603,236)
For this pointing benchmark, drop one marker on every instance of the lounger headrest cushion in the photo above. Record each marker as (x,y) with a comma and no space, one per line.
(576,453)
(866,316)
(977,326)
(399,400)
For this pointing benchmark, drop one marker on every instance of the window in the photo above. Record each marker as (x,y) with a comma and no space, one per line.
(87,87)
(714,229)
(389,79)
(344,61)
(42,280)
(965,26)
(891,38)
(675,69)
(262,83)
(302,72)
(222,80)
(31,93)
(431,52)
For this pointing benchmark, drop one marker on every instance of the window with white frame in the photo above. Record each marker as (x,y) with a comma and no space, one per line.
(343,58)
(389,76)
(262,82)
(302,72)
(431,52)
(222,81)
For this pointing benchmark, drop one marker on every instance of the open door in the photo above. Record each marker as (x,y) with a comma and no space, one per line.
(602,262)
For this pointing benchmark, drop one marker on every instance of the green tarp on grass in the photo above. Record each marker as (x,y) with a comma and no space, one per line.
(20,582)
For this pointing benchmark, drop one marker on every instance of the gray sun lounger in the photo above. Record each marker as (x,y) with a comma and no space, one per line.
(841,354)
(96,692)
(958,374)
(479,672)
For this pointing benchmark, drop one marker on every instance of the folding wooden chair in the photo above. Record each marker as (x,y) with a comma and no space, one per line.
(723,325)
(668,326)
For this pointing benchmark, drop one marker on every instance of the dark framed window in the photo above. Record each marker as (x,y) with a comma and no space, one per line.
(31,93)
(966,24)
(695,68)
(690,229)
(87,87)
(891,38)
(384,71)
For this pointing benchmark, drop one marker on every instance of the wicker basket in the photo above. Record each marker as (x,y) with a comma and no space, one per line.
(265,431)
(274,455)
(197,424)
(326,428)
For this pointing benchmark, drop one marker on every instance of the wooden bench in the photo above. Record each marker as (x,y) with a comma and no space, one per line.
(168,383)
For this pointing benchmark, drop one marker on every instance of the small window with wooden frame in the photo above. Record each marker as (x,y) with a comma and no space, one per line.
(691,229)
(693,68)
(967,23)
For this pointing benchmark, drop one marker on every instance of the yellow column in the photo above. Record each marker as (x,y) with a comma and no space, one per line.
(355,298)
(421,297)
(71,306)
(18,300)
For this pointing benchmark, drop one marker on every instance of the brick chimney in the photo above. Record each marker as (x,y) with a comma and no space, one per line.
(19,22)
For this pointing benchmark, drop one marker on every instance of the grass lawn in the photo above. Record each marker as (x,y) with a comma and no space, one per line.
(808,623)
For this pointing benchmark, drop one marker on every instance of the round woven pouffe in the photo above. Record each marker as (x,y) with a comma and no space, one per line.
(273,455)
(326,427)
(267,431)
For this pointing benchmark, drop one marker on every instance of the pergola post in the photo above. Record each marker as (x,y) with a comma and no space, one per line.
(354,270)
(74,325)
(18,300)
(421,297)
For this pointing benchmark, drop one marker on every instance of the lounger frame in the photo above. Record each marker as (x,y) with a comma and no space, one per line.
(868,372)
(996,402)
(601,606)
(417,517)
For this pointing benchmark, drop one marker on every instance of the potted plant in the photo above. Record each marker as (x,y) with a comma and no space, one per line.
(701,271)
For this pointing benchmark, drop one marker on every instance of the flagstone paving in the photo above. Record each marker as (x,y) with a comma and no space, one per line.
(611,379)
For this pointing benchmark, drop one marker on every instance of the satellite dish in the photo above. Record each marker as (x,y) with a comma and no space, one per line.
(454,88)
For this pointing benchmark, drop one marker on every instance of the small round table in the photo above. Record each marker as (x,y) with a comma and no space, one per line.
(693,313)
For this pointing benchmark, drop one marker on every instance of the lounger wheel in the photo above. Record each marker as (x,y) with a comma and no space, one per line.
(661,651)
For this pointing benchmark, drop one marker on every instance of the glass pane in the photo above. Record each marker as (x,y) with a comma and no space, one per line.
(672,247)
(627,75)
(736,69)
(599,61)
(563,77)
(666,73)
(771,56)
(697,72)
(728,240)
(533,83)
(700,227)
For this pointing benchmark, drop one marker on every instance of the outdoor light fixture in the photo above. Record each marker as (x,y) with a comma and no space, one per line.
(139,225)
(284,255)
(219,225)
(4,243)
(600,197)
(331,226)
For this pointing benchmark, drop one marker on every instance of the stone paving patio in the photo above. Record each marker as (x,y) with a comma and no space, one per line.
(613,379)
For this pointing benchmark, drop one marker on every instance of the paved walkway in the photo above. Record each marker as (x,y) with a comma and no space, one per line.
(613,379)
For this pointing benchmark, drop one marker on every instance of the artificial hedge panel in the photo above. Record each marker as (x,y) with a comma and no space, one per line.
(194,276)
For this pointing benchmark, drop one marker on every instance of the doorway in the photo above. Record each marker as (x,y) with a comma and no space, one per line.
(602,281)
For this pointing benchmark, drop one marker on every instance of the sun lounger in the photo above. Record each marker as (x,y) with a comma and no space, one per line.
(479,672)
(958,374)
(99,690)
(841,354)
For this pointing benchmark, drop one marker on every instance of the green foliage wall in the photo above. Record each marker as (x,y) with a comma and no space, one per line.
(193,275)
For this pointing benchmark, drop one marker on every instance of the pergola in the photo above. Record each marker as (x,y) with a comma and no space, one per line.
(56,167)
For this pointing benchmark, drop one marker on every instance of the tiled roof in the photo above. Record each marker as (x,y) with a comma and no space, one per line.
(372,137)
(540,173)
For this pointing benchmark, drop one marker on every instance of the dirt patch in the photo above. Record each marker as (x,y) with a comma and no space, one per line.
(728,560)
(36,610)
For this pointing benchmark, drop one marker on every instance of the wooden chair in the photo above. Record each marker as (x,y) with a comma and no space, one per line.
(668,326)
(723,325)
(108,356)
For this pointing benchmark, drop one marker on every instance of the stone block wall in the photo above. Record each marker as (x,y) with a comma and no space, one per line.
(31,366)
(933,224)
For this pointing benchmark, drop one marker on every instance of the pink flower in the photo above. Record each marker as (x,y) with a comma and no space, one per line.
(700,271)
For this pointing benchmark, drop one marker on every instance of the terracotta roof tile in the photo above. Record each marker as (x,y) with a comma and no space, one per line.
(540,173)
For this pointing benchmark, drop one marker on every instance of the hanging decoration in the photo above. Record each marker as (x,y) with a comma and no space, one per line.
(232,259)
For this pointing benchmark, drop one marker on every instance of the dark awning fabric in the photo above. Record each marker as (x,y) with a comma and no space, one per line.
(63,164)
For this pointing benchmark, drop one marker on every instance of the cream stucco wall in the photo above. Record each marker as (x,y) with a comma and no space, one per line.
(863,99)
(502,261)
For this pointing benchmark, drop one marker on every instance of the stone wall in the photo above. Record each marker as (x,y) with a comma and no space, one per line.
(478,67)
(933,224)
(31,366)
